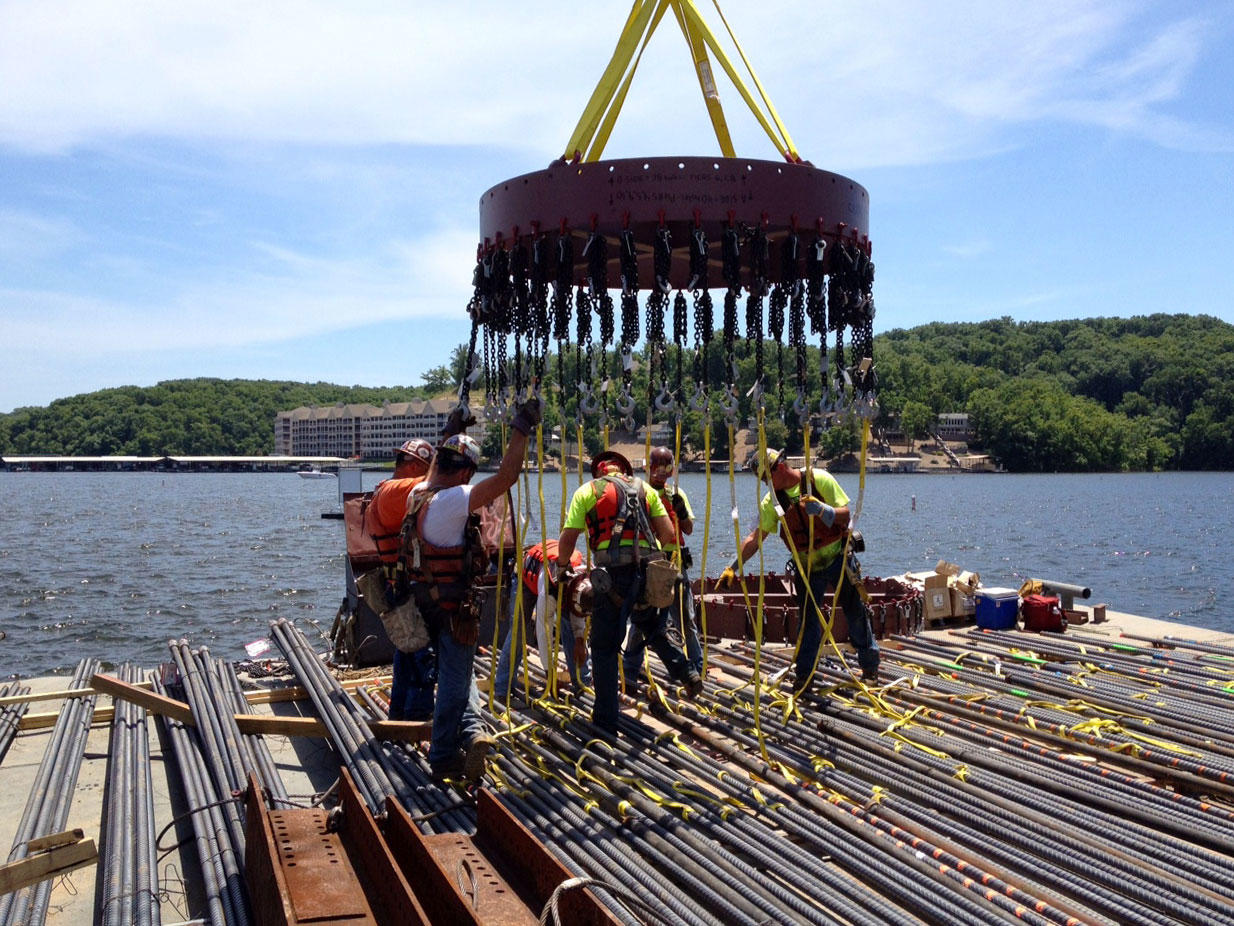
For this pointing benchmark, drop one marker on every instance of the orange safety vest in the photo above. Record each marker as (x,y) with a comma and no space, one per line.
(441,575)
(392,493)
(808,532)
(621,503)
(533,563)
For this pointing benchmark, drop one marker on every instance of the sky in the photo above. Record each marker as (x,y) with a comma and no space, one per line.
(289,190)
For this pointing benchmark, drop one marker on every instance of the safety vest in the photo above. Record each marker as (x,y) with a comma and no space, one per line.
(807,532)
(667,494)
(533,563)
(440,575)
(387,541)
(619,521)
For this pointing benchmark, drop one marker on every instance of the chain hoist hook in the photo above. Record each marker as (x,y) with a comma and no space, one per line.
(699,400)
(625,402)
(587,404)
(665,401)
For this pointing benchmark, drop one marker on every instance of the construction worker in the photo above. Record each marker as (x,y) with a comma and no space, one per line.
(414,674)
(623,523)
(540,597)
(814,523)
(443,555)
(660,467)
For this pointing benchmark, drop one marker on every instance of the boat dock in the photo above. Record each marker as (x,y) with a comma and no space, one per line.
(990,776)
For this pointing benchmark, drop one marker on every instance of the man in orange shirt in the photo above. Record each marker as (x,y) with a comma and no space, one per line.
(411,691)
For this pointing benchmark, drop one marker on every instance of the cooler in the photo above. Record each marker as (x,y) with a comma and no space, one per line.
(997,608)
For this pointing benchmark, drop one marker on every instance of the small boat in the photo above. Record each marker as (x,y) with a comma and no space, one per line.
(315,472)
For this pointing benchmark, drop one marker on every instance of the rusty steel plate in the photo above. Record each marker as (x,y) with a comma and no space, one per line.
(321,884)
(679,193)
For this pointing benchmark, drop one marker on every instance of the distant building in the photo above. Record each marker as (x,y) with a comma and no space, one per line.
(954,426)
(360,431)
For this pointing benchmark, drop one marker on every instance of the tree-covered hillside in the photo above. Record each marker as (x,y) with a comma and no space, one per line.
(184,416)
(1100,394)
(1153,392)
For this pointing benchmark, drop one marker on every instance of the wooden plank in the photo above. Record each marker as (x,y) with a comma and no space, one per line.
(297,693)
(404,731)
(42,721)
(55,840)
(154,703)
(60,695)
(43,865)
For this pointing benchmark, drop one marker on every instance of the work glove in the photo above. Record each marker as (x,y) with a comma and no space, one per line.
(728,579)
(557,573)
(458,422)
(679,506)
(527,416)
(815,508)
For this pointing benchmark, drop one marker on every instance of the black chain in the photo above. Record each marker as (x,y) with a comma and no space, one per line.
(521,317)
(563,287)
(657,308)
(730,254)
(539,303)
(596,253)
(680,312)
(776,307)
(702,305)
(759,259)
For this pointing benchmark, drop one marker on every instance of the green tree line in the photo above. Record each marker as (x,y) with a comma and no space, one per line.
(1099,394)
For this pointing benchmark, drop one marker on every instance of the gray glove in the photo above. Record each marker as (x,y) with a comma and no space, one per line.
(816,508)
(457,423)
(527,416)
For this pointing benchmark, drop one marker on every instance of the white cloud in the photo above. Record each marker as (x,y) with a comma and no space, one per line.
(882,82)
(311,296)
(26,237)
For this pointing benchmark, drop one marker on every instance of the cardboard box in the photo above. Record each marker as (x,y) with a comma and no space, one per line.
(937,601)
(962,603)
(967,582)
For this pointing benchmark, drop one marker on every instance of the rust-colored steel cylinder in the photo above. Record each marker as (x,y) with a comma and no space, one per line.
(681,193)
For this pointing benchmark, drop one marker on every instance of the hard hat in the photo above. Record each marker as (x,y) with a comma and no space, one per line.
(660,457)
(608,461)
(418,449)
(464,446)
(765,464)
(580,597)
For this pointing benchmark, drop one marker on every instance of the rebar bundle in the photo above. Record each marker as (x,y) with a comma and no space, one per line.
(127,886)
(47,807)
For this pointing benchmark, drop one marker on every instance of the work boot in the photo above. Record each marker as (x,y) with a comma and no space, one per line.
(869,676)
(694,685)
(477,751)
(451,769)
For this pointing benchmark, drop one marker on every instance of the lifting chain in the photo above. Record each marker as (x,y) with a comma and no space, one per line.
(629,325)
(596,253)
(680,333)
(759,261)
(730,254)
(521,315)
(797,339)
(539,306)
(703,320)
(657,309)
(776,307)
(583,353)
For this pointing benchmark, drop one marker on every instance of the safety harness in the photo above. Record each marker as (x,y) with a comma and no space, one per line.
(439,575)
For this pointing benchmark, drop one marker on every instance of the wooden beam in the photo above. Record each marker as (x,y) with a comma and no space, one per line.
(154,703)
(49,718)
(297,693)
(63,857)
(403,731)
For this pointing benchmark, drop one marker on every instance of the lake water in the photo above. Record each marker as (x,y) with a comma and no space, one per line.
(115,564)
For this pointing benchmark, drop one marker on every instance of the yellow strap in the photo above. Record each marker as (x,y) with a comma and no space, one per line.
(595,125)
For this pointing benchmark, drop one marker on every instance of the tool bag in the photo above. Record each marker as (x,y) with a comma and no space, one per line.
(660,582)
(1043,612)
(404,624)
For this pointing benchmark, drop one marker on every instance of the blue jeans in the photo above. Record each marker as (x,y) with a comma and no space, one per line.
(510,662)
(411,689)
(860,633)
(680,615)
(456,713)
(608,628)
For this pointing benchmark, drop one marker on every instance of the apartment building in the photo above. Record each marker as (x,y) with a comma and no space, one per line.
(360,431)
